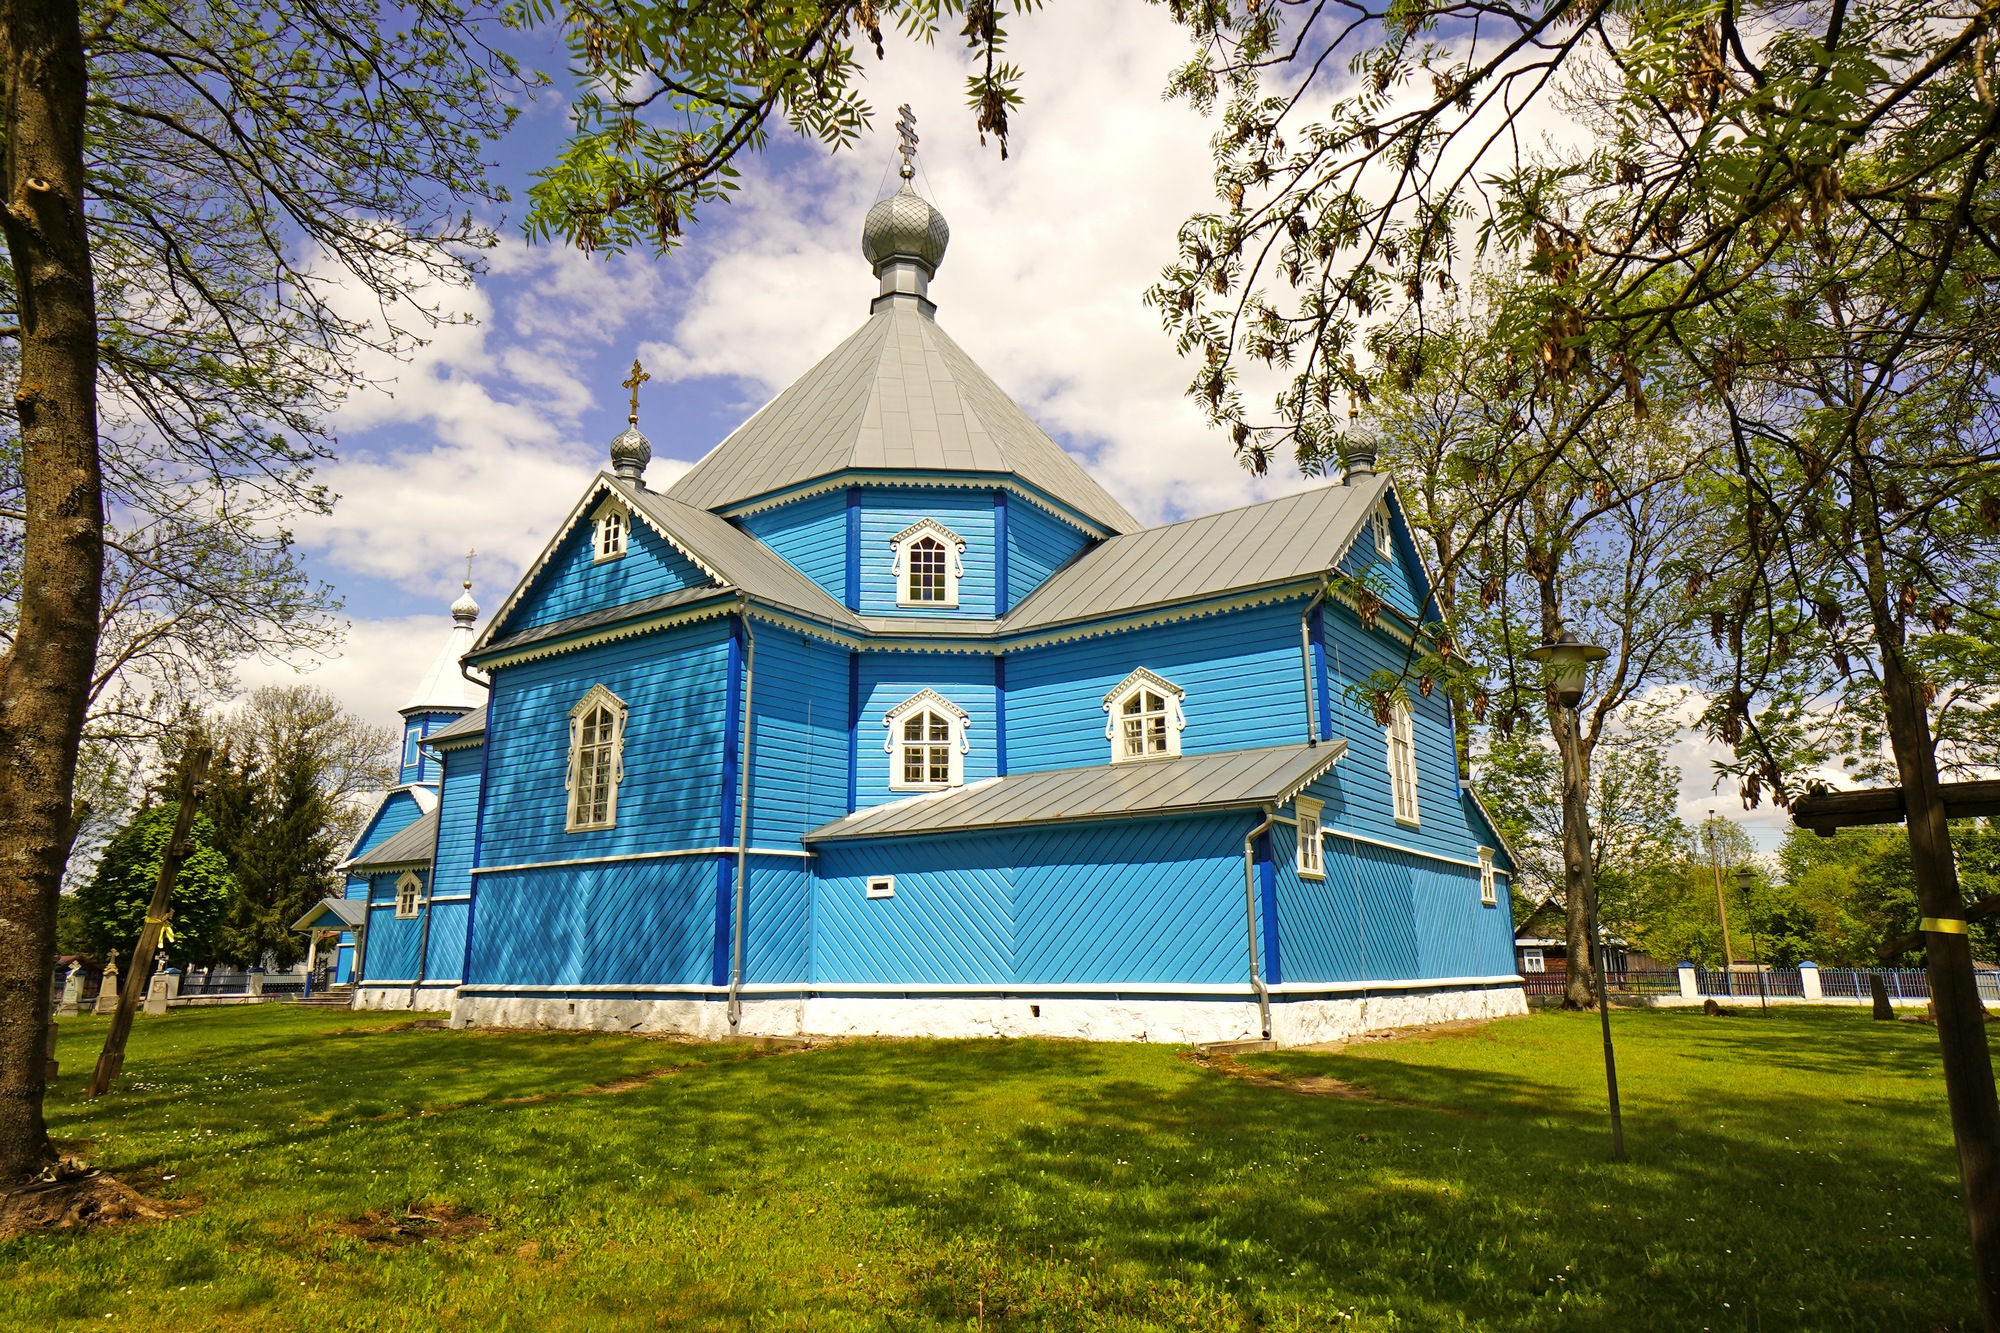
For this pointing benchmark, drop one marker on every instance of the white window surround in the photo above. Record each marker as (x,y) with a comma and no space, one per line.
(1402,747)
(1312,851)
(918,728)
(1151,729)
(1489,893)
(407,888)
(611,530)
(881,886)
(1532,962)
(596,760)
(1385,542)
(411,739)
(929,562)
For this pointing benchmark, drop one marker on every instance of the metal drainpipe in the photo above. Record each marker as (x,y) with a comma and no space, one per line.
(742,820)
(1306,662)
(1250,914)
(430,880)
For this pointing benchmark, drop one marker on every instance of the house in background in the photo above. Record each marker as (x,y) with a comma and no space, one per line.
(887,718)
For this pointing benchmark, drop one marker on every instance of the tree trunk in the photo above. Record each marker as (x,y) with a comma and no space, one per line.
(1579,976)
(45,677)
(1961,1020)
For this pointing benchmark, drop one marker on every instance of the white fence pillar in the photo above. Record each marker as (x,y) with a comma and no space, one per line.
(1809,981)
(256,981)
(1690,989)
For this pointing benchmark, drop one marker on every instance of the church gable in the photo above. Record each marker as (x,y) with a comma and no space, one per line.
(609,557)
(1384,555)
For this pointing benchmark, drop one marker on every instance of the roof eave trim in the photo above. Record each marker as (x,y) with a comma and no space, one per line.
(917,477)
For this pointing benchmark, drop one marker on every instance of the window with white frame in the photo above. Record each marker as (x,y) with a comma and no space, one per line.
(596,759)
(1402,763)
(612,529)
(1312,855)
(411,739)
(930,560)
(1489,892)
(407,889)
(1532,962)
(927,743)
(881,886)
(1144,718)
(1385,542)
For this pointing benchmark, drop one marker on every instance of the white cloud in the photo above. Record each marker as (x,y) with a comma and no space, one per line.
(376,669)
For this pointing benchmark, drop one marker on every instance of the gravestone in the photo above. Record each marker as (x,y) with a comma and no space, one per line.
(107,990)
(72,997)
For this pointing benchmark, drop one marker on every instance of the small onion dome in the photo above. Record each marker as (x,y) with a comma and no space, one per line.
(465,610)
(630,453)
(905,226)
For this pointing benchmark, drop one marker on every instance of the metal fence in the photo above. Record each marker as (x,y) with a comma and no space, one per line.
(1835,983)
(1631,981)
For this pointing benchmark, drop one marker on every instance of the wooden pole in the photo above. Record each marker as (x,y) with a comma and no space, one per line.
(112,1058)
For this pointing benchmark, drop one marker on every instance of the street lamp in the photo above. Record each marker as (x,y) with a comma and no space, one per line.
(1569,661)
(1746,880)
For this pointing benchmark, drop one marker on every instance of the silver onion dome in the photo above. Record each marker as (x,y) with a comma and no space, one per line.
(905,226)
(630,453)
(465,610)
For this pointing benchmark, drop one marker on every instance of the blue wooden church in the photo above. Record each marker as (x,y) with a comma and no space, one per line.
(886,718)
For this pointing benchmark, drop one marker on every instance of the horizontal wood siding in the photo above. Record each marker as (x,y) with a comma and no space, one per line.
(1241,672)
(811,534)
(674,684)
(1398,578)
(458,818)
(572,583)
(887,679)
(951,920)
(1038,544)
(1153,900)
(887,510)
(645,923)
(397,812)
(799,736)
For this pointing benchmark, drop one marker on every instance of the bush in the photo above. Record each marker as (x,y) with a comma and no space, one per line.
(114,903)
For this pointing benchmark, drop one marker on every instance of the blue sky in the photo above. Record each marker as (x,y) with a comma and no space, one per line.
(485,437)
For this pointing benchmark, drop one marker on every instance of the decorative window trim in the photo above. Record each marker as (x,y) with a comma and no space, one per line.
(1312,848)
(1533,963)
(881,886)
(1114,703)
(610,530)
(595,697)
(954,565)
(1385,540)
(958,743)
(408,886)
(1401,743)
(1489,892)
(413,739)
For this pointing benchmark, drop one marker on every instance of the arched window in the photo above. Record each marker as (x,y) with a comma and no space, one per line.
(612,527)
(596,759)
(929,563)
(1145,719)
(927,743)
(407,888)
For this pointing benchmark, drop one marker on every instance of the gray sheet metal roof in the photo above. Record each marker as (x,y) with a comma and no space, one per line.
(472,724)
(610,615)
(1232,779)
(411,847)
(1292,537)
(345,912)
(898,394)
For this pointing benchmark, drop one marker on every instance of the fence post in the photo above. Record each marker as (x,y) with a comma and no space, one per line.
(256,981)
(1690,988)
(1809,980)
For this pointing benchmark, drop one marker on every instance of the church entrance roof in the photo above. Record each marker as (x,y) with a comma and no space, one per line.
(897,395)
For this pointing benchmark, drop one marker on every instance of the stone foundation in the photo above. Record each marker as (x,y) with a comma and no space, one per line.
(1295,1020)
(432,997)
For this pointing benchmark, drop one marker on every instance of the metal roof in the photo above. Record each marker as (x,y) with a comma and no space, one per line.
(898,393)
(610,615)
(444,689)
(464,728)
(1232,779)
(345,914)
(411,847)
(1277,541)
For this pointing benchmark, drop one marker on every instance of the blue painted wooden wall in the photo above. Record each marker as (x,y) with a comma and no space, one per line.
(675,685)
(887,679)
(571,583)
(811,534)
(887,510)
(800,736)
(631,922)
(1038,544)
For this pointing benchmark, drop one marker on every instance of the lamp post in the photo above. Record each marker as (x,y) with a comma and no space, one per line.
(1569,662)
(1746,879)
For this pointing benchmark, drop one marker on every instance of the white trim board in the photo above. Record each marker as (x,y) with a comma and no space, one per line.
(644,856)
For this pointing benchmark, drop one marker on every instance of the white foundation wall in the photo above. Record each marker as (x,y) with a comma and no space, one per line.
(436,999)
(1294,1021)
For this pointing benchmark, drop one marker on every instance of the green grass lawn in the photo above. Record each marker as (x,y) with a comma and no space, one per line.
(1787,1173)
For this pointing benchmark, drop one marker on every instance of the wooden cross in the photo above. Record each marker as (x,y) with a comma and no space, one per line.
(468,568)
(633,382)
(906,130)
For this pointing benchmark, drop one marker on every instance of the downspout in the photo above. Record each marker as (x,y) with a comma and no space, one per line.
(430,880)
(1250,914)
(1306,661)
(742,820)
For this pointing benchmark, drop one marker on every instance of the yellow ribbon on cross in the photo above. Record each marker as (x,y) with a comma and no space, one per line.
(1941,925)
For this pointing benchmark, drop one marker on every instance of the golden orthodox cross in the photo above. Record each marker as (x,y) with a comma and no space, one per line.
(633,382)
